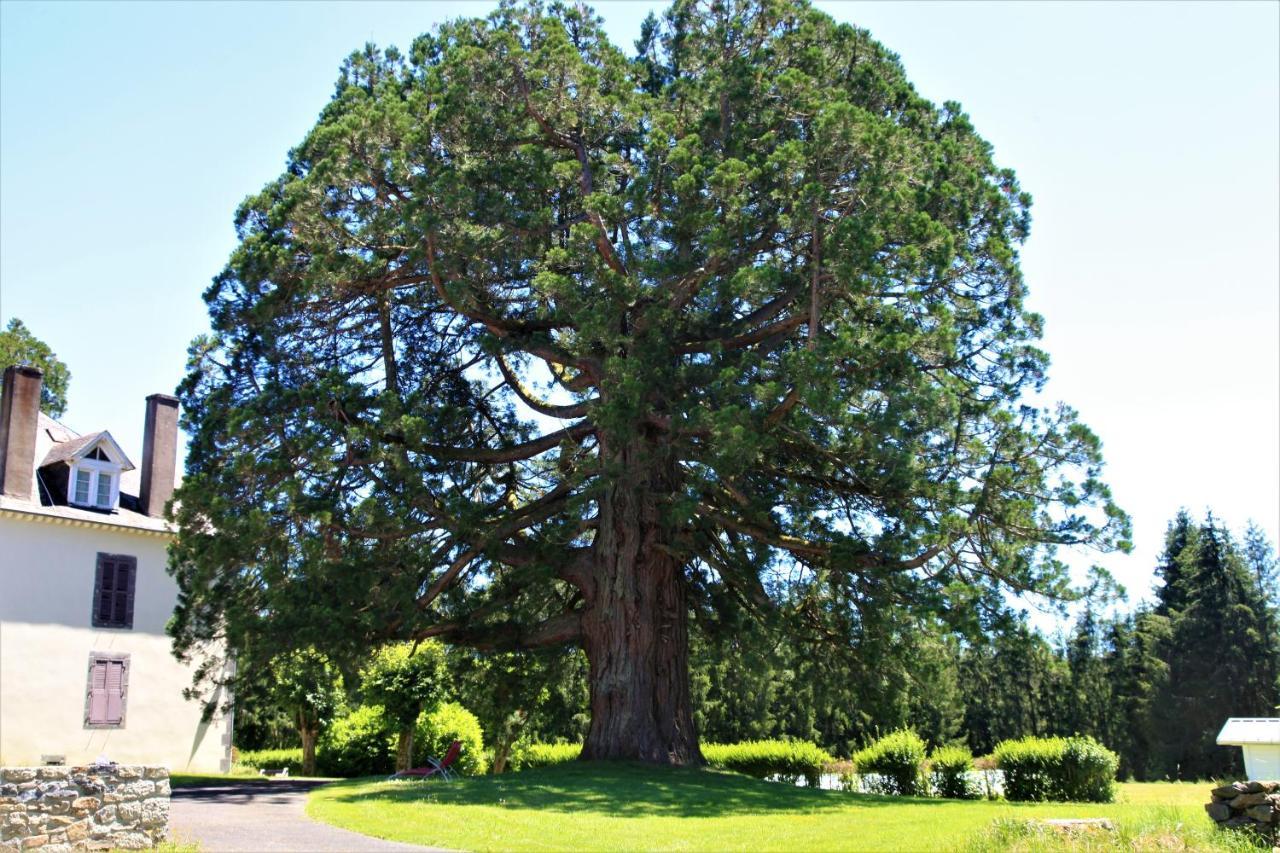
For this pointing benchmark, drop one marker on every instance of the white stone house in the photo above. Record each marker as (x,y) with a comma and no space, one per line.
(86,669)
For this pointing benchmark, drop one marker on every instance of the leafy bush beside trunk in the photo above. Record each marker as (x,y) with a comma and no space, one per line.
(1070,769)
(789,759)
(439,727)
(359,743)
(897,760)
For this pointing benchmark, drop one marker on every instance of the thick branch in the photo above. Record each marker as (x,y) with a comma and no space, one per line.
(573,410)
(515,453)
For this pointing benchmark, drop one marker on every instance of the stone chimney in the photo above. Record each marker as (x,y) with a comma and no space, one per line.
(159,454)
(19,417)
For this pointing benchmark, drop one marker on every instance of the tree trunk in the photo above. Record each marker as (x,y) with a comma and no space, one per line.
(309,735)
(404,751)
(635,621)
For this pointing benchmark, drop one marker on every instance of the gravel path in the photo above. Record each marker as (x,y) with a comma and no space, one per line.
(262,817)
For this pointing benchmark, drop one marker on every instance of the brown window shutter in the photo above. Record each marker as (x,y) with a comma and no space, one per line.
(130,589)
(113,592)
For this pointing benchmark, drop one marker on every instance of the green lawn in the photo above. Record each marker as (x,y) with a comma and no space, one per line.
(635,807)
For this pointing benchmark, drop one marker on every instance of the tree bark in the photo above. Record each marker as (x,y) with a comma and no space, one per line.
(635,620)
(404,750)
(309,736)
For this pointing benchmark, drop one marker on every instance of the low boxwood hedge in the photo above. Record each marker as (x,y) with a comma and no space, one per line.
(1067,769)
(526,755)
(275,759)
(895,764)
(951,773)
(790,760)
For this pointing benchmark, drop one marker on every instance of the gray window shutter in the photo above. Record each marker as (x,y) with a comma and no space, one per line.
(98,693)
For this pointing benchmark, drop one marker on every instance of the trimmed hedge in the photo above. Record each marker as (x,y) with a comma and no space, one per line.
(1069,769)
(438,728)
(527,756)
(950,770)
(257,759)
(789,759)
(897,760)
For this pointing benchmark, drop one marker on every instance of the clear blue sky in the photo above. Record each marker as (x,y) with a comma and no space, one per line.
(1148,133)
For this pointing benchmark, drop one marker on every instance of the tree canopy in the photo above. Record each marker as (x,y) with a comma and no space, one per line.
(19,346)
(534,342)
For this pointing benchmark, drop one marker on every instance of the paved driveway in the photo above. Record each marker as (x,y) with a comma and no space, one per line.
(262,817)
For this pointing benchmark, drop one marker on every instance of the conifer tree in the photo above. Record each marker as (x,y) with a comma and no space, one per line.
(1218,666)
(533,343)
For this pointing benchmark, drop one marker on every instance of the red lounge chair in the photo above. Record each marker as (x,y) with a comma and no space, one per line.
(435,768)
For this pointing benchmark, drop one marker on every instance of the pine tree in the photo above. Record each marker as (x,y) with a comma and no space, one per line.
(1181,534)
(1136,673)
(1218,666)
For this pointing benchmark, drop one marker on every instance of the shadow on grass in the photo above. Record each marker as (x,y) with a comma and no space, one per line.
(622,790)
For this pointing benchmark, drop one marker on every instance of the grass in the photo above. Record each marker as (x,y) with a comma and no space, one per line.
(636,807)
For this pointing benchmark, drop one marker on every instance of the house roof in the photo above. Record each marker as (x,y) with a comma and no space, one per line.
(77,448)
(57,442)
(1241,731)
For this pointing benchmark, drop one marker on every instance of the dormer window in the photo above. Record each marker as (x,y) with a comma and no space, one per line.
(94,483)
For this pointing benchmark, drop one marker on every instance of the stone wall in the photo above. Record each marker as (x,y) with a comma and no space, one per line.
(1247,805)
(83,808)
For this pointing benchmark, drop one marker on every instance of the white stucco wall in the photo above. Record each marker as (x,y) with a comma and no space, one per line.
(1262,761)
(46,636)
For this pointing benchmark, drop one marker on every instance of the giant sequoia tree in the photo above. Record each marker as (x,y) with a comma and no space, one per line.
(535,343)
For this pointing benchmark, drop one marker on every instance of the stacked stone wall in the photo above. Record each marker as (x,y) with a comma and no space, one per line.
(1247,805)
(83,808)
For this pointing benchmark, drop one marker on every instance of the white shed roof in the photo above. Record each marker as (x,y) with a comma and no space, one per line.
(1250,730)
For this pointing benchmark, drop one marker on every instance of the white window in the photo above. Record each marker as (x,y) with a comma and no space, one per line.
(81,495)
(94,483)
(104,489)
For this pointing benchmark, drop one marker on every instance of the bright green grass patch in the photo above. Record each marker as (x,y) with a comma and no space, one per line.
(637,807)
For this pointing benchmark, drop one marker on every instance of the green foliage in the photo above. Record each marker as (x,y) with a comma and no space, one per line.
(441,726)
(949,773)
(761,271)
(529,696)
(258,759)
(359,743)
(788,759)
(897,759)
(307,685)
(1221,652)
(403,678)
(526,755)
(1067,769)
(19,346)
(1088,771)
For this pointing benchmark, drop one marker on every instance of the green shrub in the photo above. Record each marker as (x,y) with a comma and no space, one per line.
(359,743)
(789,759)
(257,759)
(949,771)
(1077,768)
(897,759)
(1088,771)
(1028,766)
(526,755)
(437,729)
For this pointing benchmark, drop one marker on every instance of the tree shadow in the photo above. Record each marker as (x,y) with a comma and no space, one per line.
(623,789)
